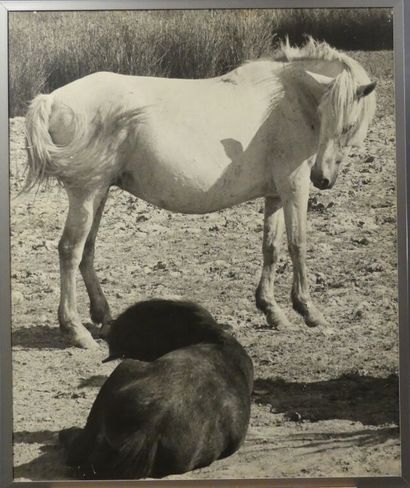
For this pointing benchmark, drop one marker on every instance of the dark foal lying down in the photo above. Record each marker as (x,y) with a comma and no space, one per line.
(185,408)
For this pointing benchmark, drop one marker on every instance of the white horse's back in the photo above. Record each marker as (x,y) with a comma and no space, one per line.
(191,149)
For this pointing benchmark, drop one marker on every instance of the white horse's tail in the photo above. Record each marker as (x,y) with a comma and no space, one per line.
(93,149)
(38,140)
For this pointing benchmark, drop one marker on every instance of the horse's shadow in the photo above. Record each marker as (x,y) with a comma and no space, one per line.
(95,381)
(45,337)
(39,337)
(369,400)
(326,442)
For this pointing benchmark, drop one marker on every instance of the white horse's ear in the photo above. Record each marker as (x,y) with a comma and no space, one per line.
(321,79)
(365,90)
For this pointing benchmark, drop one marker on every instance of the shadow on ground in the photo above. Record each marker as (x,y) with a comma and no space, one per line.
(325,441)
(46,337)
(372,401)
(93,381)
(39,337)
(310,443)
(369,400)
(49,465)
(40,437)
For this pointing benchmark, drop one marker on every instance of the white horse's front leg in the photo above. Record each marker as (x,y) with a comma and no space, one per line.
(295,211)
(82,208)
(272,240)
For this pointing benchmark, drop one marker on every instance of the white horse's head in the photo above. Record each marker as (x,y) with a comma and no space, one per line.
(345,110)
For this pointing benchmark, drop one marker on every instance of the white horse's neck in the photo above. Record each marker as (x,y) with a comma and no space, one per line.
(302,96)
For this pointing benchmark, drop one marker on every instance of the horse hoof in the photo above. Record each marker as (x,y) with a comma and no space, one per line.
(316,319)
(85,342)
(278,320)
(82,339)
(100,315)
(104,331)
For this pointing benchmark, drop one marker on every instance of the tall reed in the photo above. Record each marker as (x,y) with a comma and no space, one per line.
(50,49)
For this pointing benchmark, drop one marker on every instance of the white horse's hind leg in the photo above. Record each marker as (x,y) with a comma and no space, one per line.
(295,211)
(99,308)
(82,208)
(272,240)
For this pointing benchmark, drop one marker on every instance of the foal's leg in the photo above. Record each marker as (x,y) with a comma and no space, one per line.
(272,237)
(99,308)
(82,208)
(295,210)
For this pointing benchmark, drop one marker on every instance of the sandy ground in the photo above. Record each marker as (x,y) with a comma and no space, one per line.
(322,406)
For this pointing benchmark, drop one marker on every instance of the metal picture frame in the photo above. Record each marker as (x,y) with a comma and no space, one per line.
(401,9)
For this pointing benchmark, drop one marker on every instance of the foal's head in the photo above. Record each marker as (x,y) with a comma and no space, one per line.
(345,111)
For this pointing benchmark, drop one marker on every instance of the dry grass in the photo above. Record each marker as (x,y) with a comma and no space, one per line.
(50,49)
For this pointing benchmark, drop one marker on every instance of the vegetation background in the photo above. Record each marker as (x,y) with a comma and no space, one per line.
(50,49)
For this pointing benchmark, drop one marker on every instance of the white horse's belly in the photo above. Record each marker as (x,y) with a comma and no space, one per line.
(178,171)
(185,199)
(192,191)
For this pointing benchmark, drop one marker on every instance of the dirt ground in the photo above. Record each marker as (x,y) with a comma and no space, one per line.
(323,405)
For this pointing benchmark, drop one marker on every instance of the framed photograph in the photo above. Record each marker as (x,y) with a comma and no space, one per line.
(203,246)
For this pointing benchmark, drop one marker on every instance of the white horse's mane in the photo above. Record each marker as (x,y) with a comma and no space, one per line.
(342,93)
(311,50)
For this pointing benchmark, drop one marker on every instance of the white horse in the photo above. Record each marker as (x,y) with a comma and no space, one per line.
(195,146)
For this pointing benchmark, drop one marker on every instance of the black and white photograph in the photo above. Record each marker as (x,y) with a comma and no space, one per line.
(203,235)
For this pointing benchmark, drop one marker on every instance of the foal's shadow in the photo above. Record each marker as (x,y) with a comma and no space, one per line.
(49,465)
(366,399)
(41,437)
